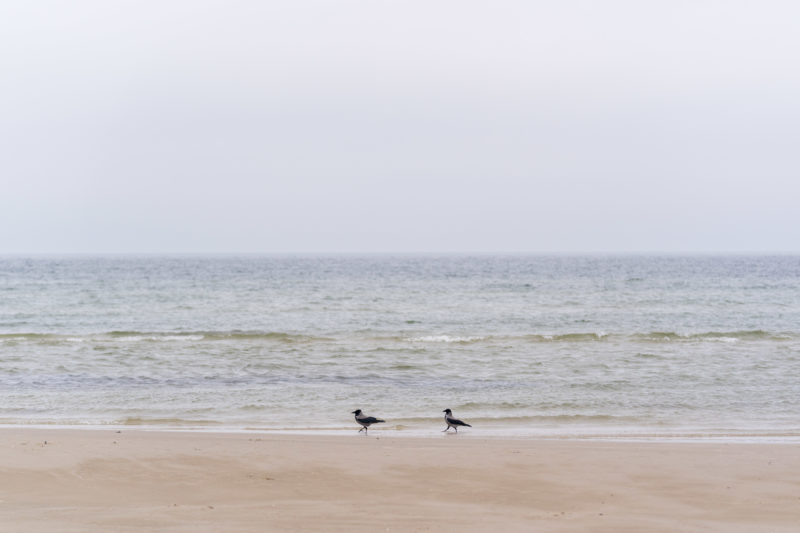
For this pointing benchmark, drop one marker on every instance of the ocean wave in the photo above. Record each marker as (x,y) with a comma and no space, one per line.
(169,421)
(556,418)
(405,366)
(567,337)
(158,336)
(216,335)
(522,419)
(715,336)
(494,406)
(662,336)
(262,335)
(448,339)
(444,338)
(657,336)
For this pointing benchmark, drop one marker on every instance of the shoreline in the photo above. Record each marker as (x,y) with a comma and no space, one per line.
(132,479)
(619,434)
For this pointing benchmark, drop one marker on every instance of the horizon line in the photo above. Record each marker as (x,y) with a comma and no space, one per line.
(403,252)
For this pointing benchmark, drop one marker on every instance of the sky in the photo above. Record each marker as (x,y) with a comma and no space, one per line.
(379,126)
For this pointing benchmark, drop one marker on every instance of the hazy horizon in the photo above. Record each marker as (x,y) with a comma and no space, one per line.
(397,253)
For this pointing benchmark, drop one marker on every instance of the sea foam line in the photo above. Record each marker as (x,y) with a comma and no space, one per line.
(446,338)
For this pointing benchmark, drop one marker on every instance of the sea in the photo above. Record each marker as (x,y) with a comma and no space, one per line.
(547,346)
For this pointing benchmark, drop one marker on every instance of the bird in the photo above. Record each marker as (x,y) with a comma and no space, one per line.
(366,421)
(453,422)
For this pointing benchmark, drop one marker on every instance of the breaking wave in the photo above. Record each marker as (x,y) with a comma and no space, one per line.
(289,338)
(448,338)
(158,336)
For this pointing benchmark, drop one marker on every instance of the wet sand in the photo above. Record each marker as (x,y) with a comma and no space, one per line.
(65,480)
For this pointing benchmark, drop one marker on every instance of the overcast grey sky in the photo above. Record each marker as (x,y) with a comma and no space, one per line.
(379,126)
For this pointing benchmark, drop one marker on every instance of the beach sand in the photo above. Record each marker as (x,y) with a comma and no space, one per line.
(65,480)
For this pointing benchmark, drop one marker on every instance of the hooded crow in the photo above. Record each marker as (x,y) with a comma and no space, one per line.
(453,422)
(366,421)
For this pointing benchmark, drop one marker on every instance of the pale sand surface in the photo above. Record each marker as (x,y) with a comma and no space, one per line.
(104,481)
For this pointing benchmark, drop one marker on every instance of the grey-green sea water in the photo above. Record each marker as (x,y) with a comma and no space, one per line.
(516,345)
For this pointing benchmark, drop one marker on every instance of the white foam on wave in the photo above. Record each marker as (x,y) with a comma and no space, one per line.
(445,338)
(157,338)
(724,339)
(179,338)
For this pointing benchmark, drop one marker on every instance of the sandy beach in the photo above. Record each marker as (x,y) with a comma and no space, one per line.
(103,481)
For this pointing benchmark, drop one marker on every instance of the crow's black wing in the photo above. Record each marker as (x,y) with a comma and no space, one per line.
(457,422)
